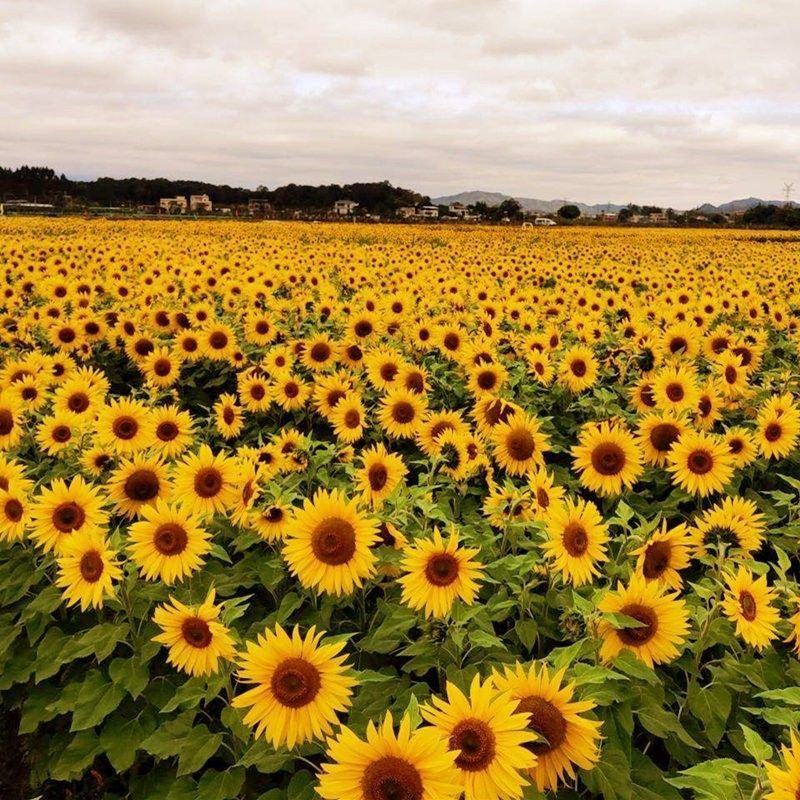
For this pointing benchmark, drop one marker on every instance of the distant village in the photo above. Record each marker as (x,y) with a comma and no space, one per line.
(201,205)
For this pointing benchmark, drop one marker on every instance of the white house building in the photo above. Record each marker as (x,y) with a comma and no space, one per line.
(344,207)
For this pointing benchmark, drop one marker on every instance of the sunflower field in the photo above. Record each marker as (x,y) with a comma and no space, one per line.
(294,511)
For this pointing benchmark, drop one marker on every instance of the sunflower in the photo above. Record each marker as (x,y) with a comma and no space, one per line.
(491,738)
(380,474)
(486,379)
(319,353)
(96,461)
(642,395)
(228,416)
(138,482)
(218,342)
(741,445)
(124,427)
(433,425)
(675,389)
(401,413)
(348,418)
(328,391)
(300,686)
(732,376)
(663,555)
(567,739)
(700,463)
(777,433)
(57,433)
(87,568)
(79,397)
(489,412)
(205,483)
(196,640)
(247,492)
(576,540)
(10,421)
(161,368)
(15,512)
(414,378)
(328,544)
(607,458)
(62,509)
(663,622)
(519,444)
(657,433)
(544,493)
(454,455)
(289,392)
(578,370)
(167,542)
(172,430)
(785,783)
(748,603)
(408,765)
(272,521)
(438,573)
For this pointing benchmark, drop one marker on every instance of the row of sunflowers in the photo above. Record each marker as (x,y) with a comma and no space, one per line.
(387,513)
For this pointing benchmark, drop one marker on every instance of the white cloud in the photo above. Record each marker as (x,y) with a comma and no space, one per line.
(675,103)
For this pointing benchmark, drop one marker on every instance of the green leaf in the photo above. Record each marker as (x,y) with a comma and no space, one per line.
(301,786)
(755,745)
(97,698)
(121,738)
(79,754)
(216,785)
(197,748)
(711,705)
(130,673)
(791,696)
(628,663)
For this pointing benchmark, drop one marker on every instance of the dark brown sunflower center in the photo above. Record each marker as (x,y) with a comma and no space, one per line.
(608,458)
(451,341)
(730,374)
(291,390)
(125,428)
(700,462)
(196,632)
(142,485)
(441,569)
(575,539)
(320,352)
(635,637)
(675,392)
(218,340)
(773,432)
(6,422)
(736,446)
(388,372)
(578,367)
(403,412)
(656,559)
(520,444)
(352,419)
(542,498)
(228,415)
(78,402)
(392,778)
(677,344)
(497,411)
(13,510)
(378,475)
(362,328)
(61,434)
(334,541)
(546,720)
(167,431)
(91,566)
(415,382)
(747,604)
(170,539)
(646,396)
(208,482)
(487,380)
(704,406)
(476,742)
(663,436)
(68,517)
(274,514)
(295,682)
(162,367)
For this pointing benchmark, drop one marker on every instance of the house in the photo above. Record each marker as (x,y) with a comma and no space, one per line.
(458,209)
(658,218)
(200,203)
(344,207)
(606,216)
(172,205)
(429,212)
(258,206)
(406,212)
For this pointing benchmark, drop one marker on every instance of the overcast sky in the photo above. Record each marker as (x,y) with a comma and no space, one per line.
(674,103)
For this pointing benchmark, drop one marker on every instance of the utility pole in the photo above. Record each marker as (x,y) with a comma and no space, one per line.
(788,188)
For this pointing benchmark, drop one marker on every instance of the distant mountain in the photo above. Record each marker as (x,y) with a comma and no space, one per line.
(527,203)
(739,205)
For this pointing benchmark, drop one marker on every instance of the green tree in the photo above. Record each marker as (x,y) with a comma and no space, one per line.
(569,211)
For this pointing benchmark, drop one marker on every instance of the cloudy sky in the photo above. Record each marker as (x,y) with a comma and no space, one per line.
(673,103)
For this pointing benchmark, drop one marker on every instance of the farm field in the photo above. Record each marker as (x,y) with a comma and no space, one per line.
(398,512)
